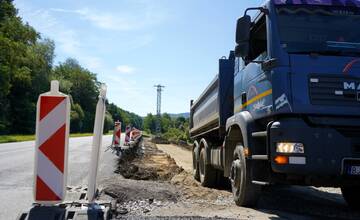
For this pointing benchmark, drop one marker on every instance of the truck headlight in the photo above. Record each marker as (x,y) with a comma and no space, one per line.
(287,147)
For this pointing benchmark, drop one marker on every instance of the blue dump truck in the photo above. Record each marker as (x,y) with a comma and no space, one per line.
(285,105)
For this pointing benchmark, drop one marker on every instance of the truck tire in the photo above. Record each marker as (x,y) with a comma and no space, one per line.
(208,175)
(244,191)
(351,196)
(195,158)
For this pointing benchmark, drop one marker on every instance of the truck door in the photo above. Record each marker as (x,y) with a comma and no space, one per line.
(253,91)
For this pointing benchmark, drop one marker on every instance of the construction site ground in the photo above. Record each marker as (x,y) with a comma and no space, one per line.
(155,182)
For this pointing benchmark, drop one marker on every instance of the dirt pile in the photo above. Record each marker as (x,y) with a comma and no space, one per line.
(151,164)
(147,163)
(192,189)
(144,181)
(151,183)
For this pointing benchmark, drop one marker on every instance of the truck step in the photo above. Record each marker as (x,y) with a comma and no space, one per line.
(260,157)
(259,134)
(260,183)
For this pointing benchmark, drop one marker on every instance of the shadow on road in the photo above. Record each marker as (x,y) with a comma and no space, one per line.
(304,201)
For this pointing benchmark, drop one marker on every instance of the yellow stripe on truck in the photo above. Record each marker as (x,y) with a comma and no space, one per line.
(254,99)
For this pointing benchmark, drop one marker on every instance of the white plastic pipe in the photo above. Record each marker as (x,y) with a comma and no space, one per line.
(97,142)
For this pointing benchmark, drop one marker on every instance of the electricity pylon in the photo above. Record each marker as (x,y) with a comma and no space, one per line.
(159,89)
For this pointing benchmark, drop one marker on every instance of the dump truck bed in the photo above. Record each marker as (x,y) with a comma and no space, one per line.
(210,111)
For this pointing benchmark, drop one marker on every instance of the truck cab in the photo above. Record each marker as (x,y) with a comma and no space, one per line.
(296,101)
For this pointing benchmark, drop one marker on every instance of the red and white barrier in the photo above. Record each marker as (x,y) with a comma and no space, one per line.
(117,134)
(127,135)
(52,135)
(135,134)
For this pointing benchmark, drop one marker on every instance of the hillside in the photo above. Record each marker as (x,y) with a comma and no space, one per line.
(177,115)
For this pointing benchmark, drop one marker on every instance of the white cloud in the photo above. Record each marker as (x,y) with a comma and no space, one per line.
(128,94)
(43,20)
(125,69)
(91,62)
(67,40)
(143,17)
(45,23)
(57,24)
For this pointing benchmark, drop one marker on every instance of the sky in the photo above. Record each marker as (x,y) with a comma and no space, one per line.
(134,44)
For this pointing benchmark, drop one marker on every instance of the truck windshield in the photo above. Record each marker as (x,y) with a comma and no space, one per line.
(328,31)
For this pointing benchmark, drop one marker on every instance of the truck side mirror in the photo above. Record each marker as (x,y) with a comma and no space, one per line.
(242,50)
(243,29)
(243,36)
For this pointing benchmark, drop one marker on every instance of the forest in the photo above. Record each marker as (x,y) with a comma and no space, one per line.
(26,69)
(173,129)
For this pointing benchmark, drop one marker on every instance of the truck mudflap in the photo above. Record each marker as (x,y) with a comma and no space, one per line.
(318,151)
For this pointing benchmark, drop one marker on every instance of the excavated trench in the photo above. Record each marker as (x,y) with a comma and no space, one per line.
(148,184)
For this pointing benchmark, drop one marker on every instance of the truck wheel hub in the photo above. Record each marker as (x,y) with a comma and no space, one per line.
(235,173)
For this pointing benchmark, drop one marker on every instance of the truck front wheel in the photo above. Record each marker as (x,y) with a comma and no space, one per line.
(208,175)
(244,191)
(351,196)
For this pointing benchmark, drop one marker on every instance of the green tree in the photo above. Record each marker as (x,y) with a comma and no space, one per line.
(166,122)
(173,129)
(7,10)
(150,123)
(76,118)
(125,117)
(82,85)
(25,65)
(179,122)
(26,68)
(108,123)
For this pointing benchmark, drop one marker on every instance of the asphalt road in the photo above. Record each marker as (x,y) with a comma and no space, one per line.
(17,170)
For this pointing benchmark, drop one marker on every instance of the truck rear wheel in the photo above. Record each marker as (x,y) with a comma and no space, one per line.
(195,158)
(351,196)
(208,175)
(244,191)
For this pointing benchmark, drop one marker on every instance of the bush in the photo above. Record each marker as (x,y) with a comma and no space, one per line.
(174,130)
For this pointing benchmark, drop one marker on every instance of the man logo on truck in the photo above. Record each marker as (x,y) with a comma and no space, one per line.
(351,86)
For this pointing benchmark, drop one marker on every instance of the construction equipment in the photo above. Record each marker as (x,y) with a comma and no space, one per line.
(284,107)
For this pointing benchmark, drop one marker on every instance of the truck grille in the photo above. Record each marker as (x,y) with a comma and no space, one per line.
(349,132)
(334,90)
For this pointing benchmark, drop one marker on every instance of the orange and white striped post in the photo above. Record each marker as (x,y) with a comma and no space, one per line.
(52,137)
(134,134)
(117,134)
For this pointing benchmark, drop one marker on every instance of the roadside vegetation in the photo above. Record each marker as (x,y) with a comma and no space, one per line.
(30,137)
(26,69)
(173,129)
(16,138)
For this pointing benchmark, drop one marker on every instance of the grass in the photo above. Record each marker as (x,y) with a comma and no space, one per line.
(16,138)
(81,134)
(146,134)
(31,137)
